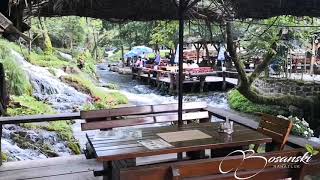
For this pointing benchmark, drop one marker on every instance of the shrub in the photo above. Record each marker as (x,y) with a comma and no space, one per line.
(300,127)
(17,81)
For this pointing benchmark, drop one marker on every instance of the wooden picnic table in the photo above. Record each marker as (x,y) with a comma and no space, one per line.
(109,149)
(117,153)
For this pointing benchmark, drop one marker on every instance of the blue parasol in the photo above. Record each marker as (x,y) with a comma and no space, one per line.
(142,49)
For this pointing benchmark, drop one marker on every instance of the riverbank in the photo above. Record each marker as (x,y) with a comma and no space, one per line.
(37,88)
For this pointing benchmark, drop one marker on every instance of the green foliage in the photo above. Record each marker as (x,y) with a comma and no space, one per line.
(166,34)
(27,105)
(116,56)
(238,102)
(46,60)
(300,126)
(89,62)
(17,81)
(313,151)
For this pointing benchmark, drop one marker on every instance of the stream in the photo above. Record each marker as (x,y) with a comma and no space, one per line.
(64,98)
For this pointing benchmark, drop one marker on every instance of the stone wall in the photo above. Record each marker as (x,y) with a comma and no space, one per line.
(287,87)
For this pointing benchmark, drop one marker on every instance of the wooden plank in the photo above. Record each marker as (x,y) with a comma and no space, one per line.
(73,176)
(18,165)
(136,110)
(48,167)
(208,168)
(116,123)
(174,107)
(185,117)
(39,118)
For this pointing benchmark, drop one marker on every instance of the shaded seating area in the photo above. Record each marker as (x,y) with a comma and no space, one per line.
(185,150)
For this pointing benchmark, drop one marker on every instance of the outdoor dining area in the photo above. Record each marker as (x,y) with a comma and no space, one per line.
(149,142)
(182,140)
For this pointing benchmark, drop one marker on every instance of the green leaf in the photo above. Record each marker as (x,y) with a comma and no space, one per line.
(315,152)
(309,148)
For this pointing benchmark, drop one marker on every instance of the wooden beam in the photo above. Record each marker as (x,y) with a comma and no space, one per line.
(39,118)
(8,26)
(5,23)
(3,90)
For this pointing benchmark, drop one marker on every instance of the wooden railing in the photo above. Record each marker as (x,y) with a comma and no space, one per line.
(35,119)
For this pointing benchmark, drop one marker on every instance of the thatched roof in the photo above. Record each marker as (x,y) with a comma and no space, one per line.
(119,10)
(145,10)
(262,9)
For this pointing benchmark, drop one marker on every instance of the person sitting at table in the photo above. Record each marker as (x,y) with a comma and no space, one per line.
(158,58)
(194,65)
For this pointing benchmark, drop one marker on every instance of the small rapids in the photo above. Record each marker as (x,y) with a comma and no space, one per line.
(146,95)
(20,143)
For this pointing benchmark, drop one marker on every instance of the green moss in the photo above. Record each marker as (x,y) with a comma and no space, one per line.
(103,98)
(75,147)
(112,86)
(238,102)
(46,60)
(4,157)
(64,130)
(27,105)
(48,49)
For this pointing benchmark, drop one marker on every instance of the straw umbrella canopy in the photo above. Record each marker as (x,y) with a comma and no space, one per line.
(147,10)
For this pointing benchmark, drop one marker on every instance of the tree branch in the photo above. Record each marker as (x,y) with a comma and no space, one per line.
(233,53)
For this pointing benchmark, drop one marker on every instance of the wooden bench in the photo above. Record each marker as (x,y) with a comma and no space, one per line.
(208,169)
(142,115)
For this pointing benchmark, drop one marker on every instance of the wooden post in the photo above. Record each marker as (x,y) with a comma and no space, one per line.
(224,83)
(139,73)
(158,82)
(202,81)
(0,144)
(2,102)
(3,91)
(313,58)
(149,77)
(172,82)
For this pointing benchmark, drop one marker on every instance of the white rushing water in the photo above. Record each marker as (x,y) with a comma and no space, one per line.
(50,89)
(62,97)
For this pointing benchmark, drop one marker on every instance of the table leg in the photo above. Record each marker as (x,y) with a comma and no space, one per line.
(107,167)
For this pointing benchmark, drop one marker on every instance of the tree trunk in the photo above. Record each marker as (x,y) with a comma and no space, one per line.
(245,84)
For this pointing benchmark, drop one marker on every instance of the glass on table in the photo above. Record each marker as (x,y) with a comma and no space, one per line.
(226,127)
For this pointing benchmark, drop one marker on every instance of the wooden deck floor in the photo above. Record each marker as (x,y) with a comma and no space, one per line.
(60,168)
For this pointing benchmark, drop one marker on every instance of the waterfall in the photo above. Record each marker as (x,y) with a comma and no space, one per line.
(47,88)
(50,89)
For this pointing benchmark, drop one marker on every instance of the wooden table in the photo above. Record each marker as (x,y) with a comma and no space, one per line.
(108,150)
(127,148)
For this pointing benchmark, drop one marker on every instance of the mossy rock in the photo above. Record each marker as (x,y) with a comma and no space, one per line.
(4,157)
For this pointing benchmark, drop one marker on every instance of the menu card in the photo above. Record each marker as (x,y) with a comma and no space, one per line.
(154,144)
